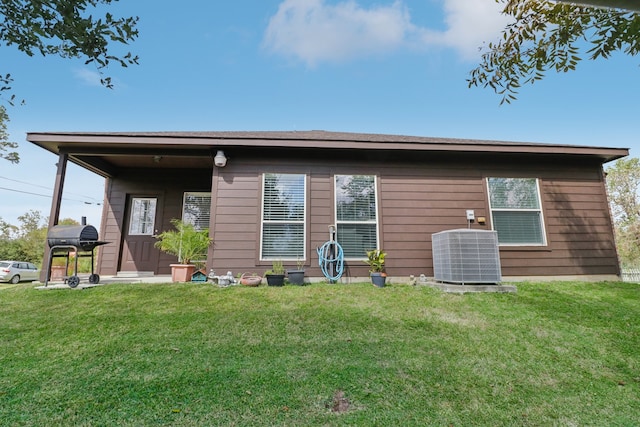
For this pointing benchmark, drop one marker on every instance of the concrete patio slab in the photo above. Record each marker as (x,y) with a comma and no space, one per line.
(456,288)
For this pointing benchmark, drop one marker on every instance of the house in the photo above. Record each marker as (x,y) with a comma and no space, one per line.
(273,195)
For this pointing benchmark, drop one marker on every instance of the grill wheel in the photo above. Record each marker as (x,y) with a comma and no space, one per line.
(73,281)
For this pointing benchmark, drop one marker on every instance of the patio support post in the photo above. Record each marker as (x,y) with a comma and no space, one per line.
(54,216)
(212,213)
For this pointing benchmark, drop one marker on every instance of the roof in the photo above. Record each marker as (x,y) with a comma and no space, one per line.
(98,151)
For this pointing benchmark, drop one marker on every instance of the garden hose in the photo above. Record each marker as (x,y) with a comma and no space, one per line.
(331,260)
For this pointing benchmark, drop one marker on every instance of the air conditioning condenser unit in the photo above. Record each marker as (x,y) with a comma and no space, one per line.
(466,256)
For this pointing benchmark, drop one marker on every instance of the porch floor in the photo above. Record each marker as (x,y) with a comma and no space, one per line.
(105,280)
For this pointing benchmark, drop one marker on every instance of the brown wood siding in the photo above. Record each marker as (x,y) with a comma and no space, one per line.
(415,201)
(237,213)
(428,198)
(578,226)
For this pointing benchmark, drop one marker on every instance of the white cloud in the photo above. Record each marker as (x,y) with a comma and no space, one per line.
(91,78)
(316,32)
(469,25)
(313,31)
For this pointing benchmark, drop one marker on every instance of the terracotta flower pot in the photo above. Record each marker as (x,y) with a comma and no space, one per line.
(58,272)
(250,280)
(182,272)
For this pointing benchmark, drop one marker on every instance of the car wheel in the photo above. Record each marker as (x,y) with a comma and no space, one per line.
(15,279)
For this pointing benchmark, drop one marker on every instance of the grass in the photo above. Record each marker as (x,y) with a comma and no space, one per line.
(192,354)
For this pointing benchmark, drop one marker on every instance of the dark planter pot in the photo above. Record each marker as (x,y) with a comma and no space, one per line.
(296,277)
(378,279)
(275,279)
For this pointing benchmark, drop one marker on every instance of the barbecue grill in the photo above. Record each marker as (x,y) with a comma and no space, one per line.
(81,239)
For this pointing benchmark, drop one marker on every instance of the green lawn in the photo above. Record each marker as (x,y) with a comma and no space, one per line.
(194,354)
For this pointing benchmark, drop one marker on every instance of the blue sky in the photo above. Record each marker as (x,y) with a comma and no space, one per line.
(395,67)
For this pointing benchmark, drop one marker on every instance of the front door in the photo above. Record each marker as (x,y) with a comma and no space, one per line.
(138,251)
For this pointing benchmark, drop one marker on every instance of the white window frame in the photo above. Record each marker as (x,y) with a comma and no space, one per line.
(375,221)
(303,221)
(202,194)
(137,222)
(539,210)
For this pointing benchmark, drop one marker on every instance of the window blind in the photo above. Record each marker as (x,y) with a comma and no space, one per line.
(356,214)
(515,211)
(283,216)
(196,209)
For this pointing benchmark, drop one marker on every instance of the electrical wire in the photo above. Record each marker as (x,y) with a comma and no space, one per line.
(24,192)
(24,182)
(49,196)
(97,202)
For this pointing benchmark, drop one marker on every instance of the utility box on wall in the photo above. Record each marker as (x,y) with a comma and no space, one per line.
(466,256)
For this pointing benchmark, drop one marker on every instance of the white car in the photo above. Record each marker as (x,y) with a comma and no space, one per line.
(18,271)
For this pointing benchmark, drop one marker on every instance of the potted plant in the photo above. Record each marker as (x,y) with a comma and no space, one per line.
(187,244)
(275,276)
(296,277)
(375,260)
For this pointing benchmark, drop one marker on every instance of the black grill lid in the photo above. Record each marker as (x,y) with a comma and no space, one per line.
(84,237)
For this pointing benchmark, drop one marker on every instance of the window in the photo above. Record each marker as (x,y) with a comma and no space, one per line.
(356,214)
(283,216)
(143,216)
(196,210)
(515,211)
